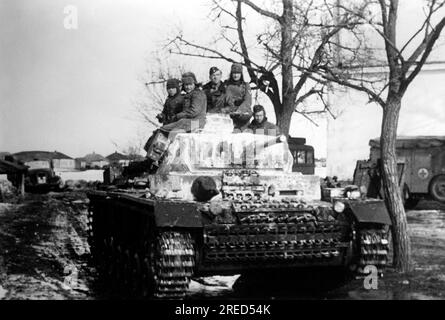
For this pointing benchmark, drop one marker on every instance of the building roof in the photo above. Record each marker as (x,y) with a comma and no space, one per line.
(91,157)
(4,154)
(136,157)
(116,156)
(408,142)
(11,167)
(26,156)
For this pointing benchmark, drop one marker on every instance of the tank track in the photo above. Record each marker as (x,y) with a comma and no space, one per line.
(373,249)
(174,261)
(161,268)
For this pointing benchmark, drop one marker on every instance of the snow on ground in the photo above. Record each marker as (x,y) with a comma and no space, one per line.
(88,175)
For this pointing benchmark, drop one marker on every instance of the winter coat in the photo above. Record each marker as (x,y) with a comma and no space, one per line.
(194,110)
(217,100)
(265,127)
(172,106)
(195,105)
(240,92)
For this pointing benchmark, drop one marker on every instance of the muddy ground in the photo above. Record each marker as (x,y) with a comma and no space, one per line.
(44,255)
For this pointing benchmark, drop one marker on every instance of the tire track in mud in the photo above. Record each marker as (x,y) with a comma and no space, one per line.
(43,248)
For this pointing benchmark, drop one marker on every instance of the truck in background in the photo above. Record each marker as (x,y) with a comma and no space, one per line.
(420,164)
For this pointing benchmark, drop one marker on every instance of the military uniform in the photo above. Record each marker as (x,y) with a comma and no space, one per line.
(239,91)
(217,100)
(191,117)
(172,106)
(193,114)
(265,127)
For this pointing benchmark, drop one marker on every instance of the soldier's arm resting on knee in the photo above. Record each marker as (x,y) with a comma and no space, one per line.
(198,106)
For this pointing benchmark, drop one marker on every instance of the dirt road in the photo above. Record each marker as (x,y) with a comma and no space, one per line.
(44,255)
(43,248)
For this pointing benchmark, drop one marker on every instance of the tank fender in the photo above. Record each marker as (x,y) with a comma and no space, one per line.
(177,214)
(370,211)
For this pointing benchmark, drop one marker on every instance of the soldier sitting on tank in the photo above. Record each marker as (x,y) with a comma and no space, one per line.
(260,125)
(239,92)
(192,116)
(217,100)
(174,103)
(172,106)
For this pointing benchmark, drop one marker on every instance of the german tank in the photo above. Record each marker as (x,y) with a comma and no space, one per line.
(228,203)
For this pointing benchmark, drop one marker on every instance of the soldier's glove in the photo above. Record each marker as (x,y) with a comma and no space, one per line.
(160,117)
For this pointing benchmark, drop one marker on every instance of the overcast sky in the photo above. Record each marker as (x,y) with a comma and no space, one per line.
(73,90)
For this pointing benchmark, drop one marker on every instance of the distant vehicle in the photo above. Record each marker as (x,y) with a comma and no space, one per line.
(41,178)
(420,164)
(303,155)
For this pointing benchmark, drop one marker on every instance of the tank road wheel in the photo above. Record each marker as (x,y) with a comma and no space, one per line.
(147,279)
(114,268)
(124,272)
(170,265)
(136,275)
(131,277)
(437,188)
(105,265)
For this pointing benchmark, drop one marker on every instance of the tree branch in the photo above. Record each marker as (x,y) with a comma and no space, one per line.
(307,95)
(245,53)
(418,51)
(261,11)
(429,42)
(344,82)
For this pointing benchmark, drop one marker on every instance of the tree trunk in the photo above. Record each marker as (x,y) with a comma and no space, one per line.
(393,198)
(284,116)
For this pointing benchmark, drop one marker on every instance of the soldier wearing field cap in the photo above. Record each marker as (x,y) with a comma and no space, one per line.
(217,100)
(174,103)
(192,116)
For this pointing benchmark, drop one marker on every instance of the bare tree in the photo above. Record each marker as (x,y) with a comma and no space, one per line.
(293,45)
(132,148)
(400,68)
(153,80)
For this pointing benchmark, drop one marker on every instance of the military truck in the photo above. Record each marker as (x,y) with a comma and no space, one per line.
(303,155)
(41,178)
(229,203)
(420,166)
